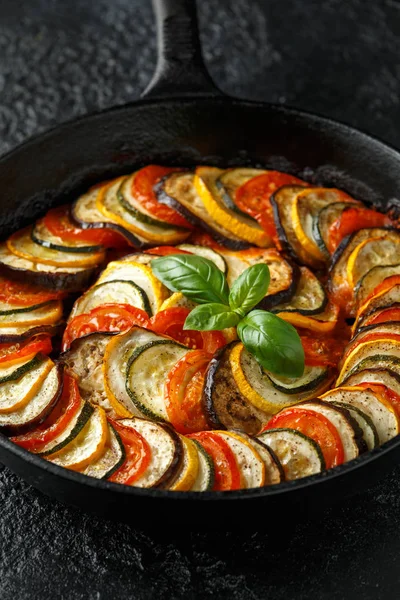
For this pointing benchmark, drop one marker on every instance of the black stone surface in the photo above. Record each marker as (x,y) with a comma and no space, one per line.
(61,58)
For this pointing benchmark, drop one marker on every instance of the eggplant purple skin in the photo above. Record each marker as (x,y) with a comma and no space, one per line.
(40,329)
(173,470)
(282,237)
(11,430)
(164,198)
(345,241)
(269,302)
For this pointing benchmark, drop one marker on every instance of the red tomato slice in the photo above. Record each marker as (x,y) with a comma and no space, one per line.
(57,421)
(315,426)
(352,220)
(254,197)
(386,285)
(320,350)
(143,190)
(387,394)
(170,322)
(59,223)
(137,455)
(183,392)
(201,238)
(10,353)
(165,250)
(227,473)
(108,317)
(383,316)
(25,294)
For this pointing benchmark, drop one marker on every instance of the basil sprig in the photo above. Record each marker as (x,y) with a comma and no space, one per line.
(274,343)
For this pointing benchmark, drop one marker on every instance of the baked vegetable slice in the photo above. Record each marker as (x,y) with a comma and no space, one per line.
(323,322)
(372,278)
(112,458)
(230,181)
(178,192)
(370,253)
(378,353)
(323,222)
(205,475)
(18,391)
(44,314)
(390,379)
(249,461)
(386,295)
(299,455)
(309,298)
(42,236)
(118,291)
(18,335)
(274,472)
(189,470)
(216,257)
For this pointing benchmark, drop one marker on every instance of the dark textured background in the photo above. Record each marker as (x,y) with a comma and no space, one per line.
(61,58)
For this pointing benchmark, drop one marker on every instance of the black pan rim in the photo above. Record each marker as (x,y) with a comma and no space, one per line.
(211,496)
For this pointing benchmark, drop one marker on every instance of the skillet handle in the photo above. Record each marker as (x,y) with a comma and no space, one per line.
(180,67)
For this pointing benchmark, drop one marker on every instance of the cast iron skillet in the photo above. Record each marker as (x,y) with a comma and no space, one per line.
(183,119)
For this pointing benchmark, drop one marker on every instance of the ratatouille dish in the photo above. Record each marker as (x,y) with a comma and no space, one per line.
(202,329)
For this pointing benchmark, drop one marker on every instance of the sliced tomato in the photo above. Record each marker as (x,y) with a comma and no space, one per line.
(315,426)
(386,285)
(385,392)
(57,421)
(165,250)
(108,317)
(10,353)
(352,220)
(227,473)
(321,350)
(201,238)
(183,392)
(137,455)
(59,223)
(25,294)
(383,316)
(143,190)
(254,197)
(171,321)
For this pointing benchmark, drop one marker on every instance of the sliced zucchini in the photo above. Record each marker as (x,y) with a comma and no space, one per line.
(142,276)
(16,393)
(85,214)
(115,292)
(239,224)
(255,383)
(230,181)
(298,454)
(111,459)
(384,299)
(135,208)
(50,277)
(386,377)
(320,323)
(31,415)
(383,330)
(177,191)
(73,429)
(367,426)
(282,203)
(205,252)
(310,297)
(166,453)
(375,349)
(206,473)
(45,314)
(273,469)
(17,370)
(116,357)
(85,359)
(310,380)
(189,470)
(11,335)
(87,447)
(372,278)
(323,221)
(374,361)
(146,372)
(381,414)
(10,309)
(224,404)
(42,236)
(248,459)
(348,429)
(108,203)
(370,253)
(22,245)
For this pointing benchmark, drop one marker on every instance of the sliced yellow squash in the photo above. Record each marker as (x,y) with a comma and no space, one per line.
(190,467)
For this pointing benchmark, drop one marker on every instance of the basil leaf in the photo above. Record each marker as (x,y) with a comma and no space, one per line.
(211,316)
(196,277)
(275,344)
(249,288)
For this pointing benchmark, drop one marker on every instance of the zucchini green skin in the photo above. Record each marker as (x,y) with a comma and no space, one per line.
(86,413)
(14,311)
(42,241)
(210,464)
(303,273)
(229,203)
(392,363)
(317,230)
(314,384)
(145,299)
(364,416)
(20,371)
(121,461)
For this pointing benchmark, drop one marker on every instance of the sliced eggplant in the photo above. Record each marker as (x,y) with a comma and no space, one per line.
(73,429)
(370,253)
(34,413)
(47,313)
(309,298)
(298,454)
(205,252)
(240,225)
(108,203)
(22,245)
(282,202)
(111,459)
(115,292)
(230,181)
(85,214)
(189,470)
(50,277)
(87,447)
(17,393)
(224,404)
(323,221)
(367,426)
(146,372)
(206,473)
(274,472)
(248,459)
(11,335)
(381,414)
(384,299)
(372,278)
(166,452)
(142,276)
(85,359)
(177,191)
(42,236)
